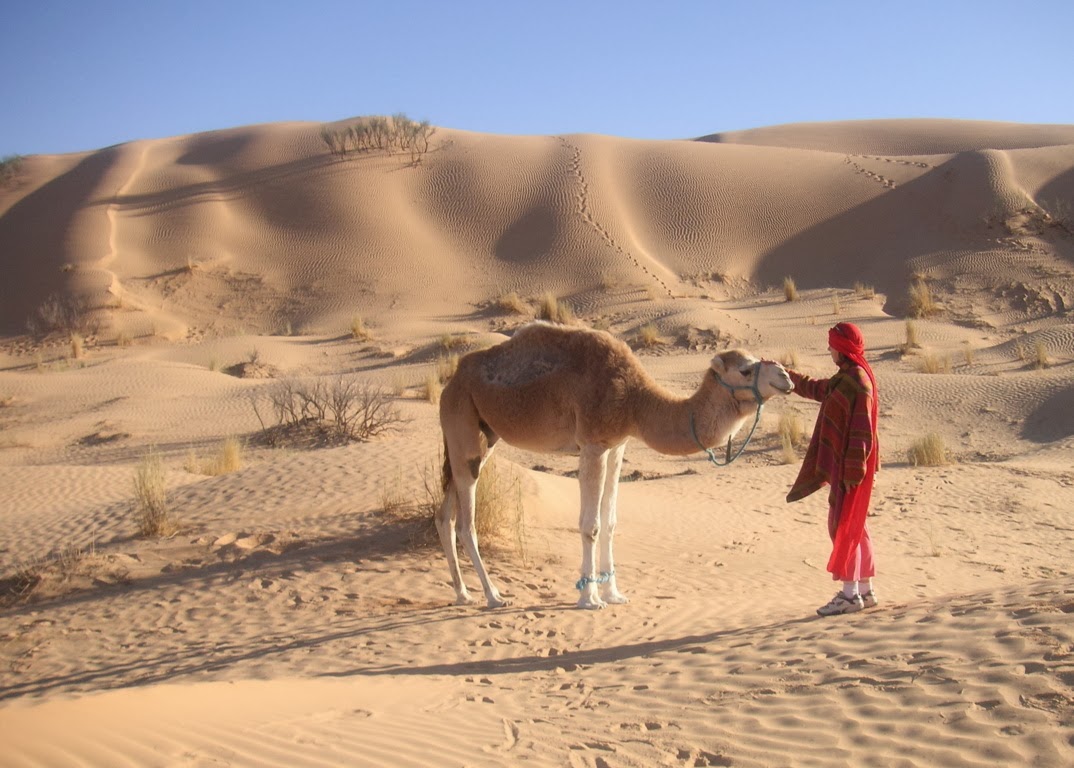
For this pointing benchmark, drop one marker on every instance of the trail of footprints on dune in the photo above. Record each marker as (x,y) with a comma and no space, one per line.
(575,167)
(878,177)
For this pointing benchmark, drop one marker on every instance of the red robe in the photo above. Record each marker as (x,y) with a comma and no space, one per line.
(844,450)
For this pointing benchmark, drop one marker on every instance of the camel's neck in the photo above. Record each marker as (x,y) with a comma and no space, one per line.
(664,421)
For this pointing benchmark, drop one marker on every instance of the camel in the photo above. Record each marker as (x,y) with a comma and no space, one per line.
(552,388)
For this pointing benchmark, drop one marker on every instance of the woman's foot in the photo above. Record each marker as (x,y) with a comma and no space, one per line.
(869,600)
(841,604)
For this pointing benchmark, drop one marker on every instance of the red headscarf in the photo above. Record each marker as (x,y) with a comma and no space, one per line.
(847,339)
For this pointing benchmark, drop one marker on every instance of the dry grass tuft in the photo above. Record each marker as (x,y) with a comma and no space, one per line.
(935,550)
(649,336)
(864,291)
(555,311)
(911,337)
(837,305)
(228,458)
(1040,358)
(932,362)
(513,304)
(78,345)
(433,387)
(359,330)
(929,451)
(790,359)
(791,436)
(446,366)
(450,341)
(393,498)
(498,514)
(921,303)
(123,339)
(968,352)
(790,290)
(151,499)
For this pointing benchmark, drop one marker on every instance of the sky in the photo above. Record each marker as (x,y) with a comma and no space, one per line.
(83,75)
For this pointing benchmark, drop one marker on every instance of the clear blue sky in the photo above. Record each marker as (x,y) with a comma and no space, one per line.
(86,74)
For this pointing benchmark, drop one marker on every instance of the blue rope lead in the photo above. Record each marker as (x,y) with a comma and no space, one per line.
(755,389)
(730,458)
(604,577)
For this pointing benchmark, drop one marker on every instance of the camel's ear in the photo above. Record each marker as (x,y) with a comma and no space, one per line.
(729,360)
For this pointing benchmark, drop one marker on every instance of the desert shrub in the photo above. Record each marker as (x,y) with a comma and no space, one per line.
(340,410)
(380,134)
(790,359)
(9,168)
(790,290)
(555,311)
(863,291)
(929,451)
(77,346)
(56,573)
(921,303)
(151,513)
(1059,213)
(64,314)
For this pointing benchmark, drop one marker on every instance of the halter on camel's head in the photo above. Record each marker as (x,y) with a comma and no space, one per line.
(754,388)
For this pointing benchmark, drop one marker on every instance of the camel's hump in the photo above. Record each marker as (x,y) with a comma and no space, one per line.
(539,350)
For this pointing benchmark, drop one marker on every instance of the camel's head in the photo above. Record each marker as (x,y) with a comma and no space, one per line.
(749,378)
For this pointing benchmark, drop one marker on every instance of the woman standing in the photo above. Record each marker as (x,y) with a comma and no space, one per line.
(844,453)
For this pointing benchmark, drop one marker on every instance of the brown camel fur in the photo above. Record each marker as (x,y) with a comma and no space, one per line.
(553,388)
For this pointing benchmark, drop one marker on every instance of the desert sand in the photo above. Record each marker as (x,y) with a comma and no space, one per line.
(300,614)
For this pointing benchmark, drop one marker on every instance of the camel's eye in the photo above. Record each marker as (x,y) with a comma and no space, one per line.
(747,372)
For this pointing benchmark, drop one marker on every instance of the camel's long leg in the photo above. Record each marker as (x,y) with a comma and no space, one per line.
(445,526)
(592,469)
(608,519)
(466,492)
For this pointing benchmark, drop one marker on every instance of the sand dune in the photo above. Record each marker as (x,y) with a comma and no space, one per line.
(300,617)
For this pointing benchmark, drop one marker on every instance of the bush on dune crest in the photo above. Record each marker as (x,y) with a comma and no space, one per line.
(397,133)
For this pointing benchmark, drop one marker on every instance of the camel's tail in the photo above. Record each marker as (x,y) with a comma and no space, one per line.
(445,475)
